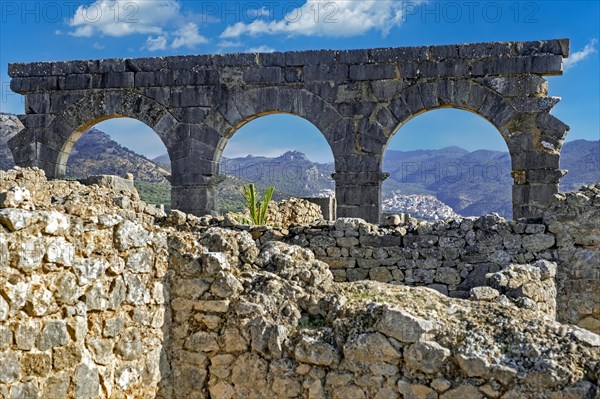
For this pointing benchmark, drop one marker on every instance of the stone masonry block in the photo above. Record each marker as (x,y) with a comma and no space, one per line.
(373,72)
(75,82)
(262,75)
(325,72)
(37,103)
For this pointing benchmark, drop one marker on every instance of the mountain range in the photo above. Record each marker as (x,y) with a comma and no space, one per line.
(471,183)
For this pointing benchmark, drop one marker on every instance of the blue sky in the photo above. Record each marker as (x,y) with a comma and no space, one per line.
(65,30)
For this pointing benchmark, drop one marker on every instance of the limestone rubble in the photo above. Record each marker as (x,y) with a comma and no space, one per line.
(103,296)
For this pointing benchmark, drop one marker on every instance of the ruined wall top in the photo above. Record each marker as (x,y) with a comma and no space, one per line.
(477,59)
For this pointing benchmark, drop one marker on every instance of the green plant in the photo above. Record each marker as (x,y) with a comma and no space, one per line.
(312,323)
(257,208)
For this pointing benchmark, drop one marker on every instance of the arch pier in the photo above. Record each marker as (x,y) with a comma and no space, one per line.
(357,98)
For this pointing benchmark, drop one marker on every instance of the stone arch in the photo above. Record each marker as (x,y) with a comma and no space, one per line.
(242,107)
(533,138)
(74,120)
(356,98)
(458,94)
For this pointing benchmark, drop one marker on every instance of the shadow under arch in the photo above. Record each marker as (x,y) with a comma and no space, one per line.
(74,120)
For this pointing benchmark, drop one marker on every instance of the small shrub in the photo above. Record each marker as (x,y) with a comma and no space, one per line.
(257,208)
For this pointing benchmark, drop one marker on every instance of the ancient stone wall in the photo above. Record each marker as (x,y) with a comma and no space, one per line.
(574,219)
(293,211)
(455,256)
(82,300)
(103,296)
(269,322)
(358,99)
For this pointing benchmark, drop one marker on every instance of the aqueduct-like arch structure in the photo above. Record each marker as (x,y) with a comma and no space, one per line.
(357,98)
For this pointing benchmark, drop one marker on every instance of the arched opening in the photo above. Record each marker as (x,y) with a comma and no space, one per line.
(118,146)
(280,150)
(445,162)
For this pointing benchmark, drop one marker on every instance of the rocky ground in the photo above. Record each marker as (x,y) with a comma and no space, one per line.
(125,303)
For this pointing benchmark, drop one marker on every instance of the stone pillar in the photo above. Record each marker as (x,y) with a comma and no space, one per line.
(358,194)
(42,143)
(533,190)
(194,173)
(534,142)
(197,199)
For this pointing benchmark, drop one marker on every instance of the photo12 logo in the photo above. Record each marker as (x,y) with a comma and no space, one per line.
(263,172)
(471,11)
(452,172)
(7,95)
(250,11)
(60,11)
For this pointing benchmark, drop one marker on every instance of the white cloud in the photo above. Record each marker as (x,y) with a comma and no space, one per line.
(161,20)
(156,43)
(260,49)
(188,36)
(581,55)
(331,19)
(120,18)
(259,12)
(230,43)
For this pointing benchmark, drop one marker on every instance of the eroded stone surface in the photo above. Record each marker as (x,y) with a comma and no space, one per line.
(221,313)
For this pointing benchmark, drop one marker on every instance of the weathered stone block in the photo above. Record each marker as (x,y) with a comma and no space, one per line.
(404,327)
(113,80)
(262,75)
(325,72)
(373,72)
(75,82)
(192,97)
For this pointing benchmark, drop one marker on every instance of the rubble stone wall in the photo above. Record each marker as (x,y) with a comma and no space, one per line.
(83,308)
(268,321)
(103,296)
(453,257)
(574,219)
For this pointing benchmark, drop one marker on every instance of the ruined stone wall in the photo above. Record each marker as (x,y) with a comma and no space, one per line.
(293,211)
(574,219)
(455,256)
(269,322)
(82,300)
(451,257)
(103,296)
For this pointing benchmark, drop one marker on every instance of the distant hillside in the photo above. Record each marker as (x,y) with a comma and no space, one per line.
(164,161)
(582,159)
(96,153)
(291,173)
(472,183)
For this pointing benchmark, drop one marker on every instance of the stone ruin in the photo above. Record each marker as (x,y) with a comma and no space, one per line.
(358,99)
(104,296)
